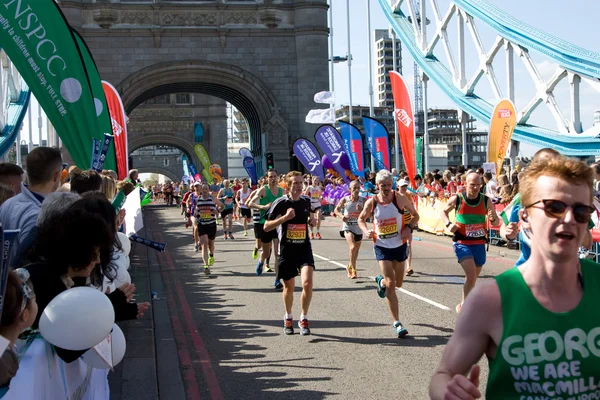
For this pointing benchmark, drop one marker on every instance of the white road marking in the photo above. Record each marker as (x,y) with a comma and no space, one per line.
(416,296)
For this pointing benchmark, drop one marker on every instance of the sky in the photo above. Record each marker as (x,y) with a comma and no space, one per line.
(577,23)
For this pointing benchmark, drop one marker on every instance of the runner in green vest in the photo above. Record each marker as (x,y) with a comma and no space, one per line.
(262,200)
(538,324)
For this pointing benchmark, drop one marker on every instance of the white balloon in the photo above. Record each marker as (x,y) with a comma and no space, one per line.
(125,242)
(122,263)
(77,319)
(119,346)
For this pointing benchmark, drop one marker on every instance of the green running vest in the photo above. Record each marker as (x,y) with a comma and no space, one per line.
(546,355)
(269,198)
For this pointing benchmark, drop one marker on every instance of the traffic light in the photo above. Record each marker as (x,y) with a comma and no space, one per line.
(270,162)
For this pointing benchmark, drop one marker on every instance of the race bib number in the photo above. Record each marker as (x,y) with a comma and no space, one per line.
(315,195)
(475,230)
(228,201)
(387,228)
(204,213)
(296,233)
(353,218)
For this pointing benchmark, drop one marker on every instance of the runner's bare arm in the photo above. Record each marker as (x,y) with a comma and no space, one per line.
(404,201)
(451,205)
(469,342)
(492,215)
(362,218)
(339,208)
(253,201)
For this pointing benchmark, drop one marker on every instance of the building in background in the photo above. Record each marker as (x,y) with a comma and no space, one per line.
(445,140)
(384,62)
(238,136)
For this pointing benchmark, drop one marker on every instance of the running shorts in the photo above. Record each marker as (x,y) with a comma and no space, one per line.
(246,213)
(290,263)
(357,236)
(209,230)
(396,254)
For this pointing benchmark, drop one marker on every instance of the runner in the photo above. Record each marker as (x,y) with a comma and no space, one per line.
(206,212)
(314,192)
(472,208)
(225,195)
(262,200)
(537,324)
(291,216)
(348,209)
(386,208)
(403,189)
(191,203)
(242,196)
(236,186)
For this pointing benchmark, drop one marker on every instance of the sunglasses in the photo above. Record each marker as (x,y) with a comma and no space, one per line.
(557,209)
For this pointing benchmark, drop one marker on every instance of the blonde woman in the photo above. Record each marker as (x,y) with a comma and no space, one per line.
(109,187)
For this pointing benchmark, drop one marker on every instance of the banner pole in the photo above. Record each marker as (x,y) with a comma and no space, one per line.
(396,134)
(349,62)
(425,125)
(332,64)
(371,110)
(30,144)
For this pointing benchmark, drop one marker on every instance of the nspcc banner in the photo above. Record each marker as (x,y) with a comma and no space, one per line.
(40,44)
(309,156)
(378,142)
(119,128)
(403,114)
(502,125)
(250,167)
(353,145)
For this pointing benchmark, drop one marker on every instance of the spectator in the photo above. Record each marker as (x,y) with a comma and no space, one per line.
(44,167)
(491,187)
(126,186)
(12,176)
(596,169)
(108,187)
(133,176)
(86,181)
(111,173)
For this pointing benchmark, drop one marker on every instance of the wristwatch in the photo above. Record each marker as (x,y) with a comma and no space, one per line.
(448,224)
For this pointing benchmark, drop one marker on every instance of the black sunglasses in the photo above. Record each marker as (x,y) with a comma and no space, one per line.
(557,209)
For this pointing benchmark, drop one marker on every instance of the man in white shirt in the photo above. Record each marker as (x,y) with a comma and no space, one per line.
(491,187)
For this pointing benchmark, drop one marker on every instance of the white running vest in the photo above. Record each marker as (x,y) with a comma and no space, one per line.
(388,225)
(244,197)
(352,210)
(315,196)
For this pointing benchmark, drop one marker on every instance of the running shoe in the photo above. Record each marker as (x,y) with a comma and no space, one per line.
(245,233)
(278,285)
(312,235)
(211,260)
(380,287)
(259,268)
(196,247)
(268,269)
(255,253)
(304,329)
(288,326)
(319,236)
(231,236)
(400,330)
(206,270)
(225,236)
(409,272)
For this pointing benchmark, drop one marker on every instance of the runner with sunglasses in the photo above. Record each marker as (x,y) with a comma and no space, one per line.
(537,324)
(472,209)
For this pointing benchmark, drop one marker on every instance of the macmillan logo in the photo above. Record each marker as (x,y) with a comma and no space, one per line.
(402,116)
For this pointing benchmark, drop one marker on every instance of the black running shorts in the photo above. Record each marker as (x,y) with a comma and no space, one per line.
(291,262)
(209,230)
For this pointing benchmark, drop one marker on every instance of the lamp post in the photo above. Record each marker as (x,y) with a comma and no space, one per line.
(349,58)
(370,71)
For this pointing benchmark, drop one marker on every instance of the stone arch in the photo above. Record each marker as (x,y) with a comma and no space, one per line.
(165,140)
(163,171)
(228,82)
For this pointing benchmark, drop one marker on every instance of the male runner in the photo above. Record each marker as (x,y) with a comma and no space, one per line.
(225,195)
(537,324)
(262,200)
(241,196)
(206,221)
(291,216)
(314,192)
(348,209)
(472,208)
(236,186)
(390,236)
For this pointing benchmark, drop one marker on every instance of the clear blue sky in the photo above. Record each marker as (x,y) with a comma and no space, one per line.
(578,23)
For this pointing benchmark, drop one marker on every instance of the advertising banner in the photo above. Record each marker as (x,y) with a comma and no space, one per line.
(502,125)
(309,157)
(119,128)
(331,144)
(378,142)
(403,114)
(245,152)
(216,172)
(41,45)
(250,167)
(353,144)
